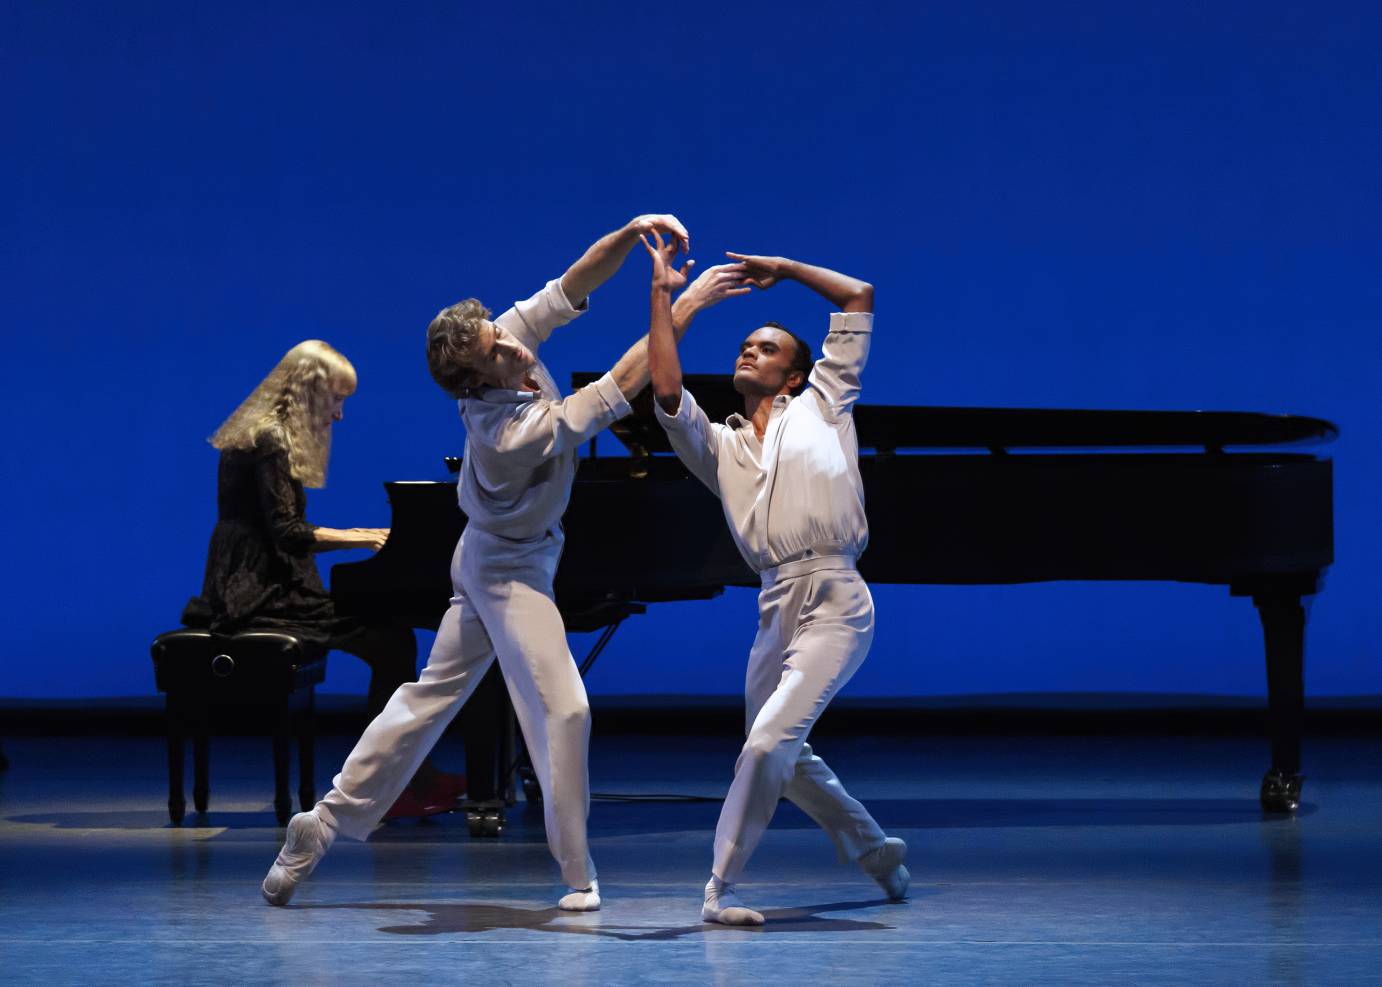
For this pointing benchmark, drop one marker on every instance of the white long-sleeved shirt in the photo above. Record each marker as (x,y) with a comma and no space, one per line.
(520,446)
(798,492)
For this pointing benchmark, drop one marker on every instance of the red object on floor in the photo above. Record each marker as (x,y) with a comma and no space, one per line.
(409,806)
(441,796)
(447,787)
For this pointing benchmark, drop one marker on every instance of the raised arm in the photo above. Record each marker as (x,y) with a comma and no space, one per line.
(690,432)
(598,264)
(835,378)
(664,364)
(847,294)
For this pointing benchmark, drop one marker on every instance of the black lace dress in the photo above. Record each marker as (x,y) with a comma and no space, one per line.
(260,569)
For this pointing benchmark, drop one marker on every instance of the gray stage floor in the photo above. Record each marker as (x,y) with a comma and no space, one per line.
(1034,860)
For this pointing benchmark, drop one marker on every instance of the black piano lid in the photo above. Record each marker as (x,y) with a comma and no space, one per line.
(890,427)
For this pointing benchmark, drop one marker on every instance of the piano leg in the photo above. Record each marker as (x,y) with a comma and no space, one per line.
(482,721)
(306,730)
(177,751)
(201,758)
(283,738)
(532,788)
(1283,630)
(480,725)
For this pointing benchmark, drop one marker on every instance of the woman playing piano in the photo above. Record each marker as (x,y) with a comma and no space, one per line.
(260,571)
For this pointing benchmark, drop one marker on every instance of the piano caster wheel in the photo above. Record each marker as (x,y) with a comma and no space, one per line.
(532,791)
(177,809)
(1280,791)
(484,822)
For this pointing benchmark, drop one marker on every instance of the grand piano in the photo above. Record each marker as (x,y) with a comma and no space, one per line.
(954,496)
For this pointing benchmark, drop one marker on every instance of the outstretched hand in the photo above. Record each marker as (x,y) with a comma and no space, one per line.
(662,223)
(715,284)
(664,256)
(761,272)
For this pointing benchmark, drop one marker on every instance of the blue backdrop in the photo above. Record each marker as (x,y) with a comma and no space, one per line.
(1061,204)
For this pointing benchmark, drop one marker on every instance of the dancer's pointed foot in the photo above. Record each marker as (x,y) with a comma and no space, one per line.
(722,905)
(884,865)
(582,899)
(309,837)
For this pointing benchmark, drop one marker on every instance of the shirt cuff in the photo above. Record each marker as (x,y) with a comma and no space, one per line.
(682,419)
(563,304)
(613,397)
(541,313)
(851,322)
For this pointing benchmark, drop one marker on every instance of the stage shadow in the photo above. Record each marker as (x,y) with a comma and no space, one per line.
(463,918)
(448,919)
(776,921)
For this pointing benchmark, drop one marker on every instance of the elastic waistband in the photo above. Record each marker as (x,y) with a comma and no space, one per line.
(805,567)
(532,541)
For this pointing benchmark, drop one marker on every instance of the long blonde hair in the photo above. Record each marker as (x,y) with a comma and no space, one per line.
(288,408)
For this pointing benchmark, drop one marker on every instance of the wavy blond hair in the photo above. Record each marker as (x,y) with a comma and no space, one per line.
(290,408)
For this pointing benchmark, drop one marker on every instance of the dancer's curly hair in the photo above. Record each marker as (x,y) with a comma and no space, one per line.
(287,409)
(451,339)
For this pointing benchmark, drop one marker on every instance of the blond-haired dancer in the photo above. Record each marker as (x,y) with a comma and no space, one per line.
(520,460)
(787,474)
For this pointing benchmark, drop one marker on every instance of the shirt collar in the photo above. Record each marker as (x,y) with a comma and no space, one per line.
(737,421)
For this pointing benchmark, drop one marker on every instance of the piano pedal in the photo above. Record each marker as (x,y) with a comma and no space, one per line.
(1280,791)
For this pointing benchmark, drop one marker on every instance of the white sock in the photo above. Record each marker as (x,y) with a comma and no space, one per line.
(722,905)
(582,899)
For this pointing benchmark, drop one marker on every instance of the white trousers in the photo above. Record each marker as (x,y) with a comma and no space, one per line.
(813,633)
(503,605)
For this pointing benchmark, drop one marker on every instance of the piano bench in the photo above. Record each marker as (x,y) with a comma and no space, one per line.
(255,672)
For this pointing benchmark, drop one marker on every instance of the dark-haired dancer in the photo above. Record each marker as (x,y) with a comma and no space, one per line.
(520,460)
(787,474)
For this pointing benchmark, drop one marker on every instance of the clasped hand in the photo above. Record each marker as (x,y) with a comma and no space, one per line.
(714,284)
(656,223)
